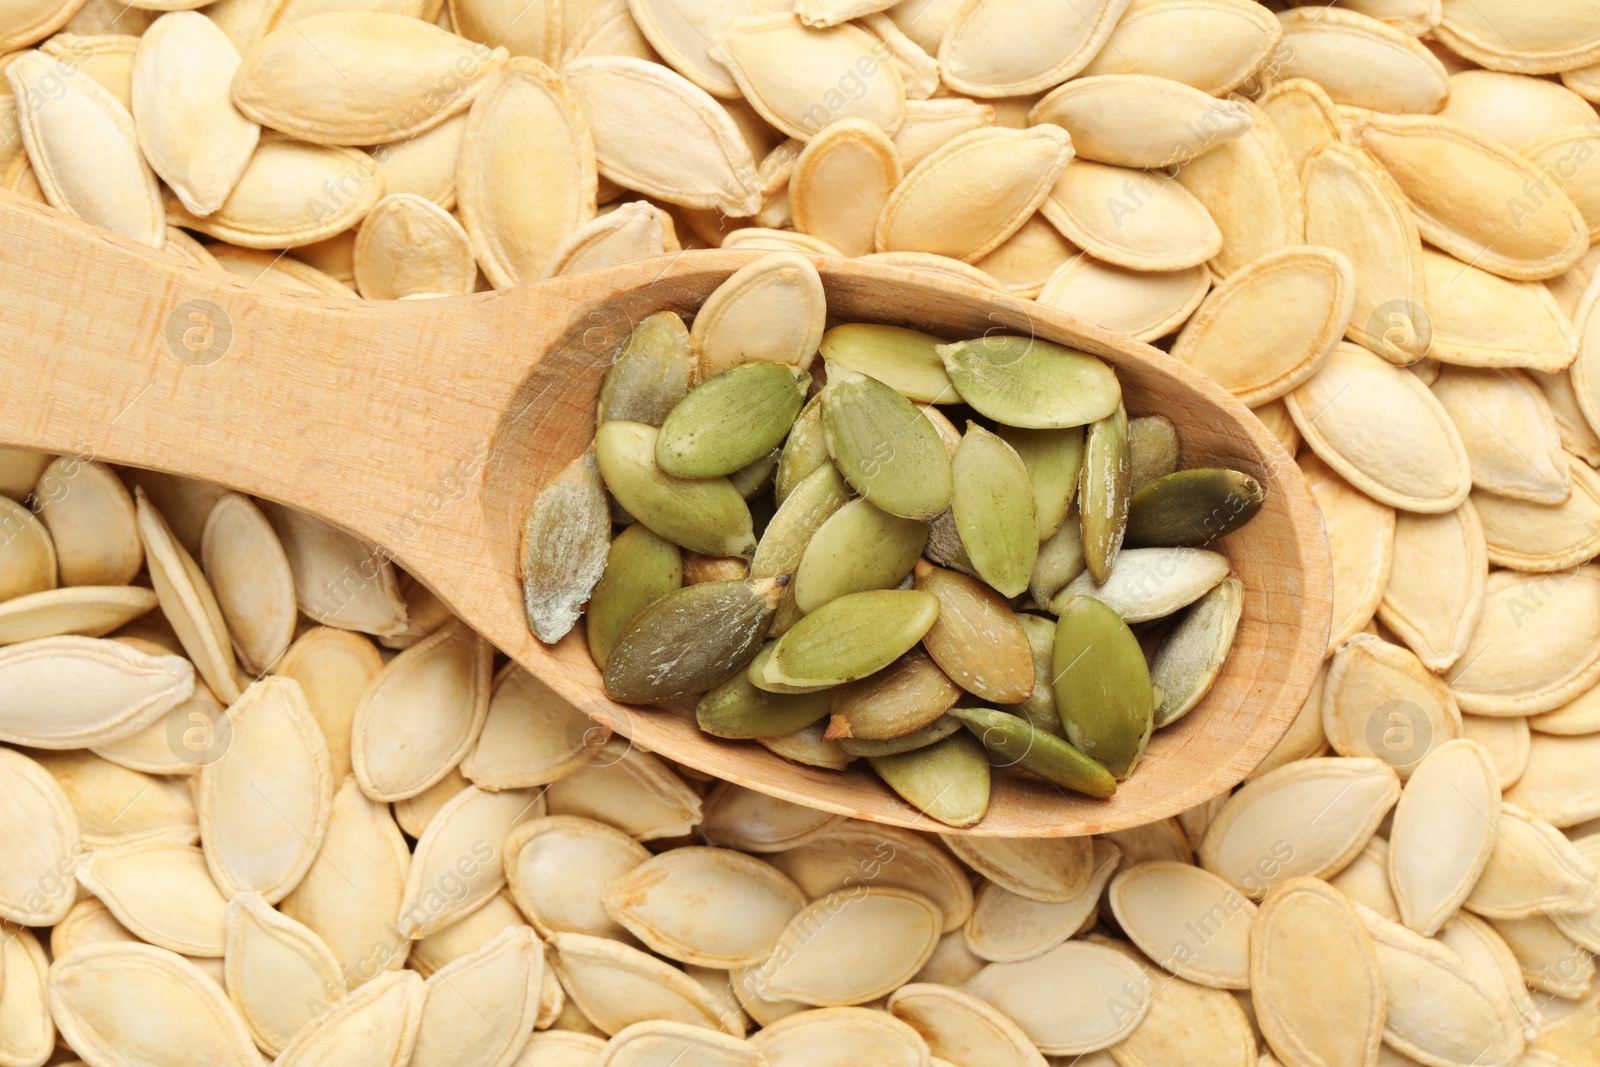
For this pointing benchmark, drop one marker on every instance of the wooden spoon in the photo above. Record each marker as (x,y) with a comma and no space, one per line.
(427,427)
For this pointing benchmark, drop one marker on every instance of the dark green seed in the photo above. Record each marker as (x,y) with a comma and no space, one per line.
(1192,507)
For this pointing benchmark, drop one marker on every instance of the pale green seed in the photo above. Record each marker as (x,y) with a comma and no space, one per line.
(808,746)
(992,500)
(907,361)
(804,451)
(937,730)
(1029,382)
(1103,495)
(1193,507)
(650,373)
(1040,707)
(1102,685)
(641,568)
(762,676)
(737,710)
(947,780)
(887,451)
(1060,561)
(902,698)
(1152,583)
(858,547)
(731,420)
(706,516)
(564,542)
(1152,450)
(847,639)
(1053,459)
(1015,741)
(1191,657)
(783,543)
(691,640)
(750,480)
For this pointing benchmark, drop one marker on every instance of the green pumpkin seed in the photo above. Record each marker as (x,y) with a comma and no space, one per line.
(858,547)
(1191,657)
(783,543)
(1103,494)
(907,361)
(1040,706)
(641,568)
(709,516)
(887,451)
(1029,382)
(738,710)
(753,478)
(808,746)
(947,780)
(992,500)
(1060,561)
(650,373)
(761,667)
(564,544)
(902,698)
(691,640)
(847,639)
(1152,583)
(1193,507)
(976,640)
(1016,741)
(1102,685)
(935,731)
(1053,459)
(732,420)
(804,451)
(944,545)
(1152,450)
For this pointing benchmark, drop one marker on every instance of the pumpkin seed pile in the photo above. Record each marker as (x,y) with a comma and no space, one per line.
(1370,221)
(927,599)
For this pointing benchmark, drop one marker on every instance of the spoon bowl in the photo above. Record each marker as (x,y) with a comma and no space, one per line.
(428,427)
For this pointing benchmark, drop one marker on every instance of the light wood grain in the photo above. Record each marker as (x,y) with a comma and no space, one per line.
(428,427)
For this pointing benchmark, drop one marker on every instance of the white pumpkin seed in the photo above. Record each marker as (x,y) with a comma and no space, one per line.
(629,789)
(1533,647)
(459,860)
(1533,870)
(376,1025)
(1005,927)
(277,970)
(1137,219)
(558,868)
(1078,997)
(850,947)
(1239,35)
(616,986)
(481,1008)
(322,557)
(75,692)
(1187,920)
(162,891)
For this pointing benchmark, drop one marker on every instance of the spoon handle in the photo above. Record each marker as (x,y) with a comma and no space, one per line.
(348,409)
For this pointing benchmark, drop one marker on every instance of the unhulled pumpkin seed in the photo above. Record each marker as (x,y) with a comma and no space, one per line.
(564,542)
(650,372)
(1193,653)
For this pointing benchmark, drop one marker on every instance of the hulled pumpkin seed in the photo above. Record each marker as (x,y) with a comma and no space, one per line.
(1039,707)
(846,639)
(1152,450)
(707,516)
(650,372)
(1192,507)
(736,709)
(1103,495)
(1029,382)
(947,780)
(907,361)
(886,450)
(1102,685)
(783,543)
(564,542)
(904,697)
(804,451)
(993,506)
(641,568)
(935,731)
(1192,655)
(1060,561)
(976,639)
(1015,740)
(731,420)
(858,547)
(1052,459)
(691,640)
